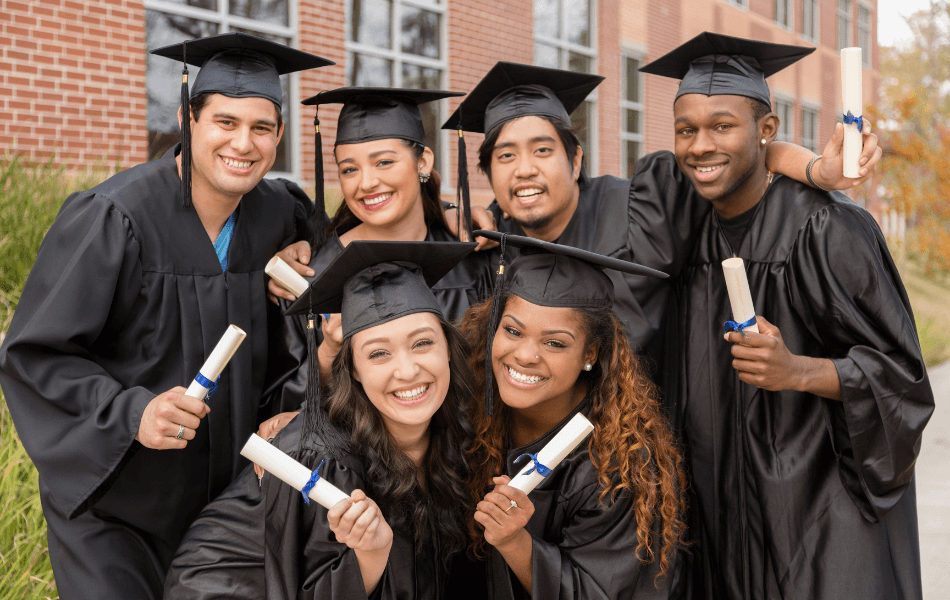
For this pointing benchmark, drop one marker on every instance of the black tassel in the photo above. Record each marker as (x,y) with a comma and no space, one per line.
(463,197)
(493,319)
(185,131)
(320,230)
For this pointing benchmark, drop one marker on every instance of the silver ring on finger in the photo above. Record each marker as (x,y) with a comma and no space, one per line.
(181,432)
(513,505)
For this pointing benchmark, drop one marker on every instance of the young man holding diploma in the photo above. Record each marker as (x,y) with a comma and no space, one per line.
(801,442)
(133,286)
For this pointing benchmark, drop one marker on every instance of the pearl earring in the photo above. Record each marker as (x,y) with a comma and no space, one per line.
(764,142)
(588,367)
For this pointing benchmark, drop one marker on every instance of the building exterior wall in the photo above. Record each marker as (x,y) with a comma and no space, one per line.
(74,72)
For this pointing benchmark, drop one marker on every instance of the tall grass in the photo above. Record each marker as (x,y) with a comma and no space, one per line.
(30,197)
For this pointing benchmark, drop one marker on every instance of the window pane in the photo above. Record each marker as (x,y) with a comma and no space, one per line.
(633,153)
(547,56)
(633,80)
(578,62)
(420,32)
(267,11)
(547,18)
(577,27)
(633,120)
(420,78)
(369,71)
(581,121)
(206,4)
(424,78)
(163,76)
(370,23)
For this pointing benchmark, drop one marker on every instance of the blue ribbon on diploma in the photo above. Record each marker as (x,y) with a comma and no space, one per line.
(314,478)
(211,386)
(542,470)
(850,119)
(740,327)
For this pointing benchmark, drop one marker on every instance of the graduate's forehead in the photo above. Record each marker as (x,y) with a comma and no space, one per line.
(542,318)
(691,108)
(527,130)
(405,328)
(253,109)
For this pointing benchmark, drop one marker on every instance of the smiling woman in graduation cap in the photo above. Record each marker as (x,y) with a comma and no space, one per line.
(393,428)
(606,521)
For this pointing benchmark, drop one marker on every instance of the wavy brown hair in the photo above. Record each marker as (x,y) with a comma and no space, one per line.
(632,447)
(437,510)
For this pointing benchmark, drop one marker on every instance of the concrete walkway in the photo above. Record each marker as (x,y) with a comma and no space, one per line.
(933,490)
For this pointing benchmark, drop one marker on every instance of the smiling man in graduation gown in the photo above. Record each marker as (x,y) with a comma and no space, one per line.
(133,286)
(802,440)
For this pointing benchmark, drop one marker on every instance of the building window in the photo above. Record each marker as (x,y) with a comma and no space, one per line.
(784,109)
(394,43)
(783,13)
(810,14)
(172,21)
(810,128)
(632,114)
(564,39)
(844,24)
(864,33)
(739,3)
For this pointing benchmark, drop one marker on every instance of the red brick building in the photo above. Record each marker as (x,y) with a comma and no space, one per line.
(78,82)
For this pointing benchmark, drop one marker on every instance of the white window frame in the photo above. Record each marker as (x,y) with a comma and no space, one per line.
(781,97)
(849,20)
(866,52)
(225,22)
(814,107)
(815,20)
(561,43)
(789,23)
(625,104)
(398,57)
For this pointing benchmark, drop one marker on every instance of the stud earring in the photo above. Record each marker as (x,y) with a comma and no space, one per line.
(424,177)
(588,367)
(764,142)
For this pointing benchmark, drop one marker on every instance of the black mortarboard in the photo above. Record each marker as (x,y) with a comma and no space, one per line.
(369,113)
(236,65)
(713,64)
(370,283)
(550,274)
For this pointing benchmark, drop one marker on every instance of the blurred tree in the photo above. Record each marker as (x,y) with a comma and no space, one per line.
(913,122)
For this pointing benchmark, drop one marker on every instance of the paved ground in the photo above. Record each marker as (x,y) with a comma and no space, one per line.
(933,491)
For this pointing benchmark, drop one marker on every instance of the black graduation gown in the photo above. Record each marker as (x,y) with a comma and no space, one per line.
(797,496)
(468,283)
(581,550)
(266,542)
(649,219)
(125,301)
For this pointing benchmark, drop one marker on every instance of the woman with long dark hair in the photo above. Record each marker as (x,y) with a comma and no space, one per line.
(392,435)
(607,521)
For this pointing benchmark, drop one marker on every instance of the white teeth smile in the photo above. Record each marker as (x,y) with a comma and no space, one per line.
(708,169)
(528,192)
(522,378)
(411,394)
(377,199)
(237,164)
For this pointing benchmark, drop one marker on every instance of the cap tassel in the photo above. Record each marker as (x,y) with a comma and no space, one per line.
(320,228)
(463,197)
(493,319)
(185,132)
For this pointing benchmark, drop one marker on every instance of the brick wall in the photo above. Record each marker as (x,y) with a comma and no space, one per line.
(74,79)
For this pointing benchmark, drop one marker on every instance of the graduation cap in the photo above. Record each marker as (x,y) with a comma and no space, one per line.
(369,113)
(512,90)
(237,65)
(370,283)
(713,64)
(549,274)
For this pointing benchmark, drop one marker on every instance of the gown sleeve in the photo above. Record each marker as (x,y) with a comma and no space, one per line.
(849,294)
(76,421)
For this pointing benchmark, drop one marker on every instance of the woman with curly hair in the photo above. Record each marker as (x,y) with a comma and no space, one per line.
(392,435)
(606,522)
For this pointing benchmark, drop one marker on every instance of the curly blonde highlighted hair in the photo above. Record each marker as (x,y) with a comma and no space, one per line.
(631,447)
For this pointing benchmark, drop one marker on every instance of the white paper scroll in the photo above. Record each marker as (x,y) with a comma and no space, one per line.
(851,101)
(575,432)
(222,353)
(285,275)
(291,472)
(739,295)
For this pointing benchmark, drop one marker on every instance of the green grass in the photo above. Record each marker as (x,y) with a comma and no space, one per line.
(930,299)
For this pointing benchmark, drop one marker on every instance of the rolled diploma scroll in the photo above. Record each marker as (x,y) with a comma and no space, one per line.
(284,274)
(291,472)
(851,100)
(568,438)
(222,353)
(739,295)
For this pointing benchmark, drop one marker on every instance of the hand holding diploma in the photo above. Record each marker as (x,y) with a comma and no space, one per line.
(297,257)
(170,419)
(828,169)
